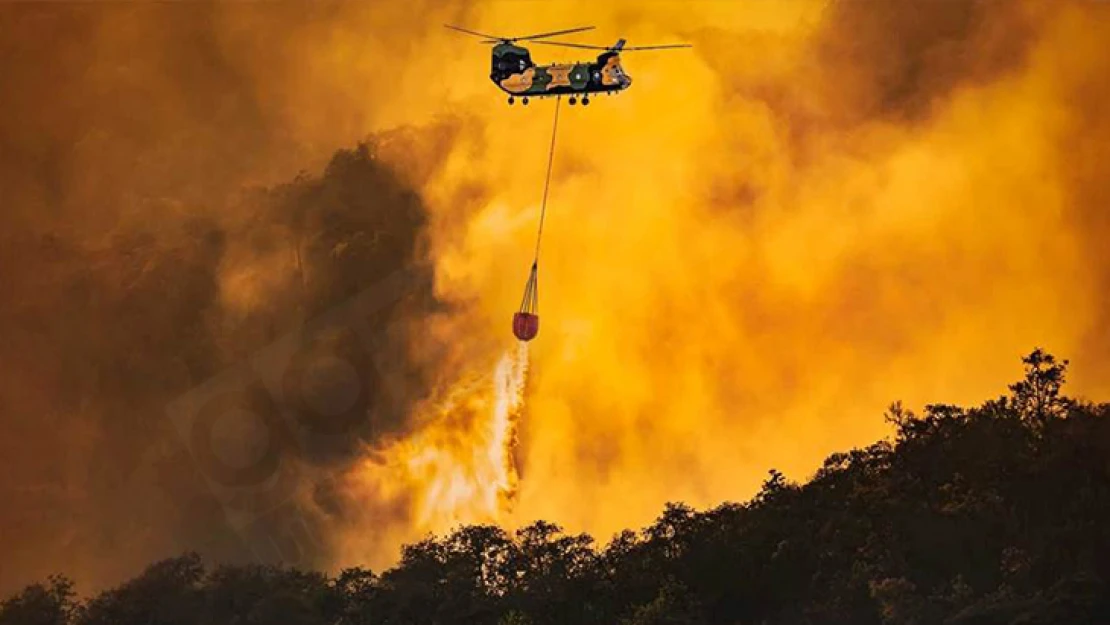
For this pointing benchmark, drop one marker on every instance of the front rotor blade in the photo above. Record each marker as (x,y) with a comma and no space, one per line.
(573,45)
(471,32)
(552,34)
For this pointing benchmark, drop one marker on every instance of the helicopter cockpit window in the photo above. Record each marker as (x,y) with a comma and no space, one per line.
(511,63)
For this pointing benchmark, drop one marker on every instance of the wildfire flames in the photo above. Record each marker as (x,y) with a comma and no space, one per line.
(459,467)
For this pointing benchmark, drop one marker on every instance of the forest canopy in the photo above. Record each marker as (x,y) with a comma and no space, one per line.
(998,513)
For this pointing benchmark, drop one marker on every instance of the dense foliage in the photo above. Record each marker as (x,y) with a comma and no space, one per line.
(995,514)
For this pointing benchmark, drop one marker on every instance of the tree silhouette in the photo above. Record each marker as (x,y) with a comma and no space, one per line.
(51,603)
(995,514)
(1037,397)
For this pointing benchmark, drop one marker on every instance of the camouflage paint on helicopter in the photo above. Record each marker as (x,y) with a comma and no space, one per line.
(515,73)
(612,73)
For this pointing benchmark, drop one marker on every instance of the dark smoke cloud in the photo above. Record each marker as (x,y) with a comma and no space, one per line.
(107,335)
(145,246)
(893,60)
(871,62)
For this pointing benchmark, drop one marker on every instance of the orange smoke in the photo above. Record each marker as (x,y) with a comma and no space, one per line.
(819,209)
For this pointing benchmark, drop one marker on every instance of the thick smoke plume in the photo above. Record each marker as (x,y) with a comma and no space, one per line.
(156,231)
(823,207)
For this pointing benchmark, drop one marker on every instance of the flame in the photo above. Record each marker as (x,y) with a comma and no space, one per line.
(469,475)
(459,466)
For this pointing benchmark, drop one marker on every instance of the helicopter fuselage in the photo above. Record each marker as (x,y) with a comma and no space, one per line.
(514,73)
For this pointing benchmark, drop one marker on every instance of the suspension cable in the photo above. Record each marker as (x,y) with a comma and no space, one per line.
(547,182)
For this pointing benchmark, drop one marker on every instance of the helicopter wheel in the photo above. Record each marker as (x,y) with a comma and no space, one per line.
(585,100)
(572,100)
(511,99)
(524,101)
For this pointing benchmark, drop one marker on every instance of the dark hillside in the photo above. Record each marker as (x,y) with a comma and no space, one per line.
(998,514)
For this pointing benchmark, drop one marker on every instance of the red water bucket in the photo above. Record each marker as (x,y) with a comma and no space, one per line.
(526,325)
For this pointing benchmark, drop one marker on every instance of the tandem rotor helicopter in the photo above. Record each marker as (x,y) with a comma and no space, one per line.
(514,72)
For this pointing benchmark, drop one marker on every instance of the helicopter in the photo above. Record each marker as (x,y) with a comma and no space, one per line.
(514,72)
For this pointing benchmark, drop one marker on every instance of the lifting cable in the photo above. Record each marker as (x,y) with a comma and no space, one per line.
(530,303)
(547,182)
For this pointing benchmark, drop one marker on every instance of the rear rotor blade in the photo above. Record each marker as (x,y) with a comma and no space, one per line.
(579,45)
(677,45)
(476,34)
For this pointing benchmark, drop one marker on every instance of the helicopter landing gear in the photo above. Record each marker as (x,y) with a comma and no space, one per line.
(511,100)
(585,100)
(524,101)
(572,101)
